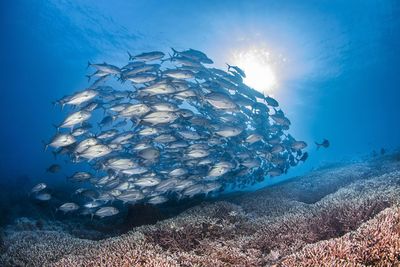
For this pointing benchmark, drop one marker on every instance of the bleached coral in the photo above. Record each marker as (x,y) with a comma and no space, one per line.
(269,227)
(376,242)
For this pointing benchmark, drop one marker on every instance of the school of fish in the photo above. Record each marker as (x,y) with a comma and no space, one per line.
(168,126)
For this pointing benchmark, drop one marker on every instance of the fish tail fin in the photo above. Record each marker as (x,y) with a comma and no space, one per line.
(130,56)
(175,52)
(88,64)
(46,145)
(229,66)
(318,145)
(89,77)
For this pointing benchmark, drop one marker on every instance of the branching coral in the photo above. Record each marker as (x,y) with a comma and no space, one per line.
(376,242)
(351,225)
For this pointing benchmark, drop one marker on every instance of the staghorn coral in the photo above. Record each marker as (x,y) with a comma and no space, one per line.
(376,242)
(269,227)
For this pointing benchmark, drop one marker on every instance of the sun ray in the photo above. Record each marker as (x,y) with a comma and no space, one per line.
(258,68)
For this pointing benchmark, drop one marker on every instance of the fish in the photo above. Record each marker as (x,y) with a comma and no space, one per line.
(253,138)
(142,77)
(82,97)
(75,118)
(43,197)
(147,182)
(304,157)
(298,145)
(325,144)
(93,204)
(220,101)
(39,187)
(107,68)
(134,110)
(275,172)
(197,153)
(179,74)
(85,144)
(157,200)
(106,212)
(95,151)
(53,168)
(62,140)
(80,176)
(149,153)
(194,55)
(130,196)
(237,69)
(179,172)
(108,120)
(228,131)
(119,164)
(219,169)
(68,207)
(193,190)
(147,56)
(160,117)
(158,128)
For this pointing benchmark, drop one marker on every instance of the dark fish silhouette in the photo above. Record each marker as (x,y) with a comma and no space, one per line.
(324,144)
(53,168)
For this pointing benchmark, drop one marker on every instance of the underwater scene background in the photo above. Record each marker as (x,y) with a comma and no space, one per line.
(333,66)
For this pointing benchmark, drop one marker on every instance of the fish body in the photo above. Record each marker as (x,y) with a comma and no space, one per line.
(39,187)
(62,140)
(68,207)
(53,168)
(106,212)
(147,56)
(325,144)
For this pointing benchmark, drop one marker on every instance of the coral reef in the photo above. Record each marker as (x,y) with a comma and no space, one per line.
(342,215)
(376,242)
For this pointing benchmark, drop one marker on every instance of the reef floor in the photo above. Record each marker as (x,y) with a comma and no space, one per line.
(347,215)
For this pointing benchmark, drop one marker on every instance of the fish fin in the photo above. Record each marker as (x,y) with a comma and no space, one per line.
(318,145)
(46,145)
(229,66)
(88,76)
(175,52)
(130,55)
(88,64)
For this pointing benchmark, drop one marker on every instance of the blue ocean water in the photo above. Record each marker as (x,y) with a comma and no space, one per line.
(337,75)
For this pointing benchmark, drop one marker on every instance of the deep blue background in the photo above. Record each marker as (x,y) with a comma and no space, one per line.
(341,80)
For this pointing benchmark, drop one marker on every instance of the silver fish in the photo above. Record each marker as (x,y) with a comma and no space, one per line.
(39,187)
(106,212)
(68,207)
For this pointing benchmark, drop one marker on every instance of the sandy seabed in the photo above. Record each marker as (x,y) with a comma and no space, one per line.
(343,215)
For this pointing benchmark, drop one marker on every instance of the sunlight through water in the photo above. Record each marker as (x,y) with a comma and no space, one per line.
(258,67)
